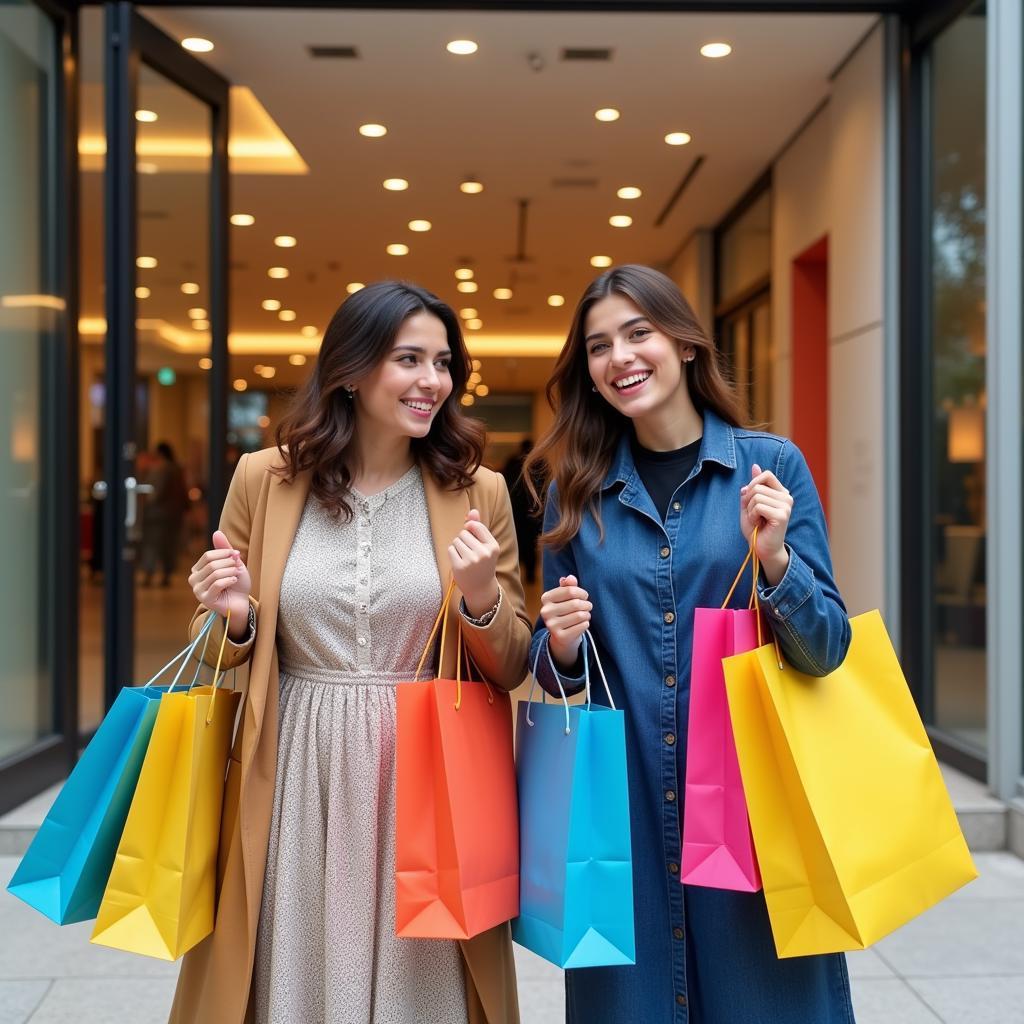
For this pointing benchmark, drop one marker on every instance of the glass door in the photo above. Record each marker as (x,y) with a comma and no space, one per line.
(165,379)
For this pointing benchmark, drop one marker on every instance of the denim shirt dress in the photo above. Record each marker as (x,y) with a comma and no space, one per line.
(703,956)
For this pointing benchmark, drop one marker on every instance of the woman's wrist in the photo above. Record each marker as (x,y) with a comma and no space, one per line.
(239,626)
(775,566)
(565,658)
(479,604)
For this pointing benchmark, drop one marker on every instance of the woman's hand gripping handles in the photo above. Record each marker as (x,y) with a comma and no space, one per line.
(220,582)
(566,613)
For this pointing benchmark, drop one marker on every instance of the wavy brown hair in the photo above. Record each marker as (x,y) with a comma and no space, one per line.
(576,452)
(318,431)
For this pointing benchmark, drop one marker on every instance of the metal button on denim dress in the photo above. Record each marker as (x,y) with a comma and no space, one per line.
(704,956)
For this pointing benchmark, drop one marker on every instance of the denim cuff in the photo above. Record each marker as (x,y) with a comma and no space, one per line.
(571,683)
(795,587)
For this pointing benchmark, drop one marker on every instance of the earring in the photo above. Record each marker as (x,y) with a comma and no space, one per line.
(593,387)
(350,391)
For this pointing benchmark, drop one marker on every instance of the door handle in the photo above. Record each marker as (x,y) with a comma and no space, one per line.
(131,506)
(99,490)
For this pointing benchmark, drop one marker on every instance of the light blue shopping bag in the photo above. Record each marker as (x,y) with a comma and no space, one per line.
(65,869)
(575,861)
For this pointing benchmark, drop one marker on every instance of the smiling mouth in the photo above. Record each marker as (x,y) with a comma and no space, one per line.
(420,406)
(631,381)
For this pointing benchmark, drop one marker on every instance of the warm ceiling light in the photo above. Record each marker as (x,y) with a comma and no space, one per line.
(240,384)
(268,372)
(467,399)
(243,220)
(206,363)
(197,313)
(471,187)
(715,50)
(474,378)
(353,286)
(288,315)
(607,114)
(556,300)
(396,184)
(620,220)
(264,422)
(190,288)
(285,242)
(146,116)
(600,261)
(468,287)
(468,313)
(420,225)
(677,138)
(200,325)
(483,390)
(398,249)
(462,47)
(309,332)
(297,359)
(278,273)
(464,274)
(142,292)
(476,364)
(197,45)
(271,305)
(146,262)
(372,131)
(503,293)
(474,324)
(629,192)
(145,167)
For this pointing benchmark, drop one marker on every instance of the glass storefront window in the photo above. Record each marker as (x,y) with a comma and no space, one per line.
(957,228)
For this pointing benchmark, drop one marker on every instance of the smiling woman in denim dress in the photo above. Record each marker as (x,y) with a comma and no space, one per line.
(655,491)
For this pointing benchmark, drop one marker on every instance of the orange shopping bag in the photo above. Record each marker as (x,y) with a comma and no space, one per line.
(457,829)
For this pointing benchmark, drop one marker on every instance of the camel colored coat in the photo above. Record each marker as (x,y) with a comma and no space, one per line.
(260,517)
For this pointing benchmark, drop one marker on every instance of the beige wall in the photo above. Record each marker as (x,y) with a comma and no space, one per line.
(693,271)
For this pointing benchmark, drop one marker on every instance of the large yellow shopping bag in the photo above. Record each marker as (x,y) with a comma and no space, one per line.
(854,830)
(159,899)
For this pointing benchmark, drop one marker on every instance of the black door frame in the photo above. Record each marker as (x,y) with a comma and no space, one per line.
(131,41)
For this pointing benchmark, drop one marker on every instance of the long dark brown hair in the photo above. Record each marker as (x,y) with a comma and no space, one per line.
(577,451)
(317,432)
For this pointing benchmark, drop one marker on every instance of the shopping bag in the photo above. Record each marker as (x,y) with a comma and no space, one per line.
(456,829)
(159,899)
(717,848)
(65,869)
(854,829)
(576,870)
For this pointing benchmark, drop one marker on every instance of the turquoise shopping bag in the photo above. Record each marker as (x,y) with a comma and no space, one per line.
(575,860)
(65,869)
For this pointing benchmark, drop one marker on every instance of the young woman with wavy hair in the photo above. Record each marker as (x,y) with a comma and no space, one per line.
(656,489)
(331,559)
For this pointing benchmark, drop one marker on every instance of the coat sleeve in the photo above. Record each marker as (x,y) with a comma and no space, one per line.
(499,649)
(236,523)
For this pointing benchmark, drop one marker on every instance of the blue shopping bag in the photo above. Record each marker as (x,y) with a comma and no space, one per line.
(575,861)
(64,871)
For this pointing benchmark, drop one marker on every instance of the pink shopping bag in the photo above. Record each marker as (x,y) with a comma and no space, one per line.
(718,849)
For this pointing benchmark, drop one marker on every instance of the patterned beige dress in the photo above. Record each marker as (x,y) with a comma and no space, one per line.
(358,599)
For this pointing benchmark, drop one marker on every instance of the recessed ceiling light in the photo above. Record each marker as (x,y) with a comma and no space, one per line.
(206,363)
(607,114)
(240,384)
(556,300)
(372,131)
(396,184)
(268,372)
(620,220)
(309,331)
(142,292)
(629,192)
(190,288)
(146,262)
(483,390)
(677,138)
(197,313)
(420,225)
(503,293)
(468,313)
(715,50)
(200,325)
(462,47)
(474,324)
(297,359)
(474,378)
(398,249)
(145,167)
(197,44)
(476,364)
(271,305)
(353,286)
(285,242)
(464,274)
(471,187)
(288,315)
(242,220)
(278,273)
(468,287)
(600,261)
(467,399)
(146,116)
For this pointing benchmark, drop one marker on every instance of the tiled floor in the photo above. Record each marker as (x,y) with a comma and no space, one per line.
(961,963)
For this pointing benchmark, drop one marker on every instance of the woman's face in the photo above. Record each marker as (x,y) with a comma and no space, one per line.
(402,395)
(635,367)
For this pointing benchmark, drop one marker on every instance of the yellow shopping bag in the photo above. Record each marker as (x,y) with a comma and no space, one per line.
(854,831)
(159,899)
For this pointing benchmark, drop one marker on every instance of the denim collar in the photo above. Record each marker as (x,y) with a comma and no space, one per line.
(717,445)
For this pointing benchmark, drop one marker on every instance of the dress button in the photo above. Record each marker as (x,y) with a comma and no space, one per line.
(670,738)
(665,552)
(681,1000)
(670,795)
(670,617)
(670,680)
(361,641)
(677,932)
(676,506)
(674,868)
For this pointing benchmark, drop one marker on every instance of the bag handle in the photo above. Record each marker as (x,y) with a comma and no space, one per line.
(558,679)
(220,659)
(755,602)
(600,668)
(183,655)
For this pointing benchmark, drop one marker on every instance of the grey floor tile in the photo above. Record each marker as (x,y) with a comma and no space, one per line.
(973,1000)
(106,1001)
(887,1001)
(7,866)
(19,998)
(1001,877)
(866,963)
(531,967)
(541,1002)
